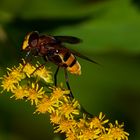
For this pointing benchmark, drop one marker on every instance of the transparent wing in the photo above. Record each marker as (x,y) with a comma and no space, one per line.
(68,39)
(82,56)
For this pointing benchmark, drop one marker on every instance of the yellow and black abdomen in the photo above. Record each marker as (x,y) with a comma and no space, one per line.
(69,61)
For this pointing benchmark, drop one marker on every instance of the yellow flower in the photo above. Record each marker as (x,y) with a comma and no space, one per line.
(117,132)
(16,72)
(44,74)
(82,122)
(35,94)
(98,122)
(9,83)
(65,126)
(45,105)
(24,82)
(58,93)
(55,118)
(69,108)
(28,69)
(71,136)
(84,132)
(105,137)
(89,134)
(11,80)
(20,92)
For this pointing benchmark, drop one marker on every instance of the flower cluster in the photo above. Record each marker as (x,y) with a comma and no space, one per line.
(25,82)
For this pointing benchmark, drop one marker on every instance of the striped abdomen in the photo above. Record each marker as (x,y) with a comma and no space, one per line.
(69,61)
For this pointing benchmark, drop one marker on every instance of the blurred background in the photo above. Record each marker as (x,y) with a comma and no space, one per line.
(110,30)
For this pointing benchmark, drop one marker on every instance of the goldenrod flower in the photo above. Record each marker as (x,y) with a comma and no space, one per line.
(55,118)
(34,93)
(20,92)
(89,134)
(11,80)
(58,93)
(65,126)
(71,136)
(105,137)
(9,83)
(16,73)
(24,82)
(84,130)
(82,123)
(117,132)
(69,108)
(44,74)
(27,68)
(98,122)
(45,105)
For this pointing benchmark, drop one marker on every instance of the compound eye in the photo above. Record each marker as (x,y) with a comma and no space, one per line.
(34,43)
(33,39)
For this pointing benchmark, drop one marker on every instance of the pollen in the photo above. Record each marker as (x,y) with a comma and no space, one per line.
(28,69)
(16,72)
(82,122)
(89,134)
(8,83)
(45,105)
(11,79)
(58,93)
(117,131)
(44,74)
(105,137)
(35,94)
(69,110)
(71,136)
(55,118)
(65,126)
(20,92)
(98,122)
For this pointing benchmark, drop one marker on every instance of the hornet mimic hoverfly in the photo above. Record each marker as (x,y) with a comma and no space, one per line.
(51,48)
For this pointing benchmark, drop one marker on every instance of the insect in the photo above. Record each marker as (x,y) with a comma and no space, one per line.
(51,48)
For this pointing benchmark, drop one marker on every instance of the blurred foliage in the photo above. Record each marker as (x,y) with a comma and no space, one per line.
(110,30)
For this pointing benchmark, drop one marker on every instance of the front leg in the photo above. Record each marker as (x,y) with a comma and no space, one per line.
(42,65)
(55,76)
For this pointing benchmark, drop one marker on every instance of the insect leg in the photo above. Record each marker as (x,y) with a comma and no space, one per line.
(26,60)
(55,76)
(67,82)
(71,95)
(37,68)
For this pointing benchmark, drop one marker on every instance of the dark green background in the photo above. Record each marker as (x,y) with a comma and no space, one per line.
(110,30)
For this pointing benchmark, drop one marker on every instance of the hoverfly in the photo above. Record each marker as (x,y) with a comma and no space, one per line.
(51,48)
